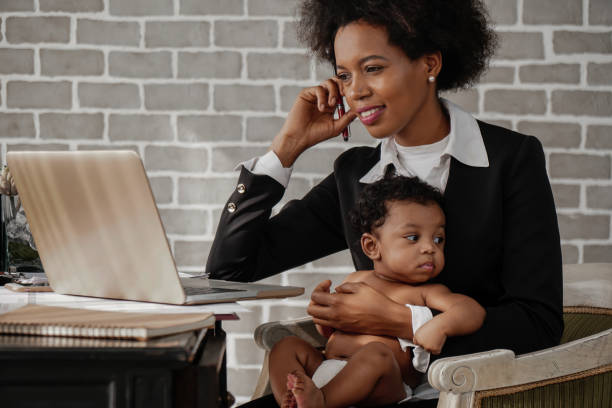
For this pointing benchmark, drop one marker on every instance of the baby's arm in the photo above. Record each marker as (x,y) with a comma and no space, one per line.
(460,315)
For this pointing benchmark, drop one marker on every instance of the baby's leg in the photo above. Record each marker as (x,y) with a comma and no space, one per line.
(291,355)
(371,377)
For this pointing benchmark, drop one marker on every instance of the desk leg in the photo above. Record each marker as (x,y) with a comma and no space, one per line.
(213,368)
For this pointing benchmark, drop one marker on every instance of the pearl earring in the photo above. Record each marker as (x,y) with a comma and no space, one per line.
(431,78)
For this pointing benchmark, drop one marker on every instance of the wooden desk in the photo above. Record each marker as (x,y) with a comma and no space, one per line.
(183,370)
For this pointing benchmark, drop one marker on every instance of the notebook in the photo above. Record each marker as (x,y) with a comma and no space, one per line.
(98,231)
(42,320)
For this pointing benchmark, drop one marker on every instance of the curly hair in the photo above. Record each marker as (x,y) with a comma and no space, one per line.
(458,29)
(371,208)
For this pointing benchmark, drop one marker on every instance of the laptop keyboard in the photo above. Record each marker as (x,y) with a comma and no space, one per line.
(189,290)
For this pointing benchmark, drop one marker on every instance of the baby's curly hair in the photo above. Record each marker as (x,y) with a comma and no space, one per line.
(371,208)
(459,29)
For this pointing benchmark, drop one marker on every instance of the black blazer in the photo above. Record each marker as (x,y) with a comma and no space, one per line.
(502,238)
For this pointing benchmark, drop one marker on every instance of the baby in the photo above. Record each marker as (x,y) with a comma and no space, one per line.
(402,226)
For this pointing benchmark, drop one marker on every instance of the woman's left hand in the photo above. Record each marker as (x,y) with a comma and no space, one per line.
(358,308)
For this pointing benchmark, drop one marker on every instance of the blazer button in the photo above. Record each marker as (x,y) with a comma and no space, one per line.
(231,207)
(241,188)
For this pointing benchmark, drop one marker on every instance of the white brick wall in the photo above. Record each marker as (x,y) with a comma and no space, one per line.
(194,86)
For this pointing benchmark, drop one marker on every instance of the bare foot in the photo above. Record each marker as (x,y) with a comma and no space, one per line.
(288,400)
(307,395)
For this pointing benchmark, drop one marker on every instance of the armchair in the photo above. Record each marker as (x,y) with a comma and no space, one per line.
(577,373)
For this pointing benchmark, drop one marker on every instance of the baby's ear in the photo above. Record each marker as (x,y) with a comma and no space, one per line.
(370,246)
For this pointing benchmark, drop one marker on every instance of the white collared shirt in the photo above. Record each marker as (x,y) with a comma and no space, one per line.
(430,162)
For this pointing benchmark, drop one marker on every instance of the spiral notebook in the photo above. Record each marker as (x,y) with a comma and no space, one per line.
(40,320)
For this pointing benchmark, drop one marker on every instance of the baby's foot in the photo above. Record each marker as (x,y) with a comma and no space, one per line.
(306,393)
(288,400)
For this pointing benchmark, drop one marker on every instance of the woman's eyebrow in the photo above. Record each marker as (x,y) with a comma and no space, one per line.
(365,59)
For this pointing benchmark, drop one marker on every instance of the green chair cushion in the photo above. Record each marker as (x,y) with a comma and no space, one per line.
(579,325)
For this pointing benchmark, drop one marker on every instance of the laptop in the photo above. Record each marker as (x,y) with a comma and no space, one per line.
(95,223)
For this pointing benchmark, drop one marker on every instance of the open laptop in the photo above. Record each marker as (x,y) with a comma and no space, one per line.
(98,232)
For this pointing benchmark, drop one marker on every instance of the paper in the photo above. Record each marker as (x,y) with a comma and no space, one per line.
(11,300)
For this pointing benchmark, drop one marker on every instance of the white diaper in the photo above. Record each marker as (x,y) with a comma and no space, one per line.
(330,368)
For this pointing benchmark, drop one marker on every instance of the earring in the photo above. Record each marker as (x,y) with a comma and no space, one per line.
(431,78)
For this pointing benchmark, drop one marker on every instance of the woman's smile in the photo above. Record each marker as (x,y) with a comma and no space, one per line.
(369,114)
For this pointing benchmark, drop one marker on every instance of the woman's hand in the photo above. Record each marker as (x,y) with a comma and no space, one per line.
(358,308)
(310,121)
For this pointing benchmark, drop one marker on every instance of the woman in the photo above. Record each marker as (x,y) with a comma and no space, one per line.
(392,59)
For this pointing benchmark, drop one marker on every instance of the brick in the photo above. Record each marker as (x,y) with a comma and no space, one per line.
(339,259)
(53,95)
(566,195)
(599,197)
(597,253)
(22,147)
(120,147)
(191,253)
(176,96)
(317,160)
(209,128)
(72,6)
(162,188)
(184,222)
(141,7)
(206,7)
(568,165)
(520,102)
(139,127)
(224,159)
(497,122)
(599,137)
(177,34)
(71,125)
(581,226)
(267,66)
(109,95)
(569,254)
(108,32)
(263,129)
(599,74)
(247,352)
(242,381)
(244,97)
(221,64)
(323,71)
(359,134)
(184,159)
(290,39)
(589,103)
(140,64)
(309,280)
(502,11)
(272,7)
(16,61)
(576,42)
(16,5)
(17,125)
(520,45)
(499,75)
(258,33)
(553,73)
(466,98)
(288,95)
(551,134)
(600,12)
(296,189)
(248,321)
(552,12)
(71,62)
(205,190)
(38,29)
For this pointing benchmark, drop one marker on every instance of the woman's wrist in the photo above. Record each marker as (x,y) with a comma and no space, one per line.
(398,323)
(286,149)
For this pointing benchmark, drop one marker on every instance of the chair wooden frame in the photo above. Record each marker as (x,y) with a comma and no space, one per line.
(465,381)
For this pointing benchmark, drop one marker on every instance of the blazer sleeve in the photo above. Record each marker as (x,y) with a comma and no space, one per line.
(528,316)
(250,245)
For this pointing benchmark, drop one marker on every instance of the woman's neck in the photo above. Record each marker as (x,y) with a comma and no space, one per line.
(431,124)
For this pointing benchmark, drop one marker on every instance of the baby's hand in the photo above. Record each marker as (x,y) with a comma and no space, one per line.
(430,337)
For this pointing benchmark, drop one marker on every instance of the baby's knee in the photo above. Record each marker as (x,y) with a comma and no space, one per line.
(289,343)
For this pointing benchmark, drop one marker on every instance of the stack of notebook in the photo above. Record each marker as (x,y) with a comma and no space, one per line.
(40,320)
